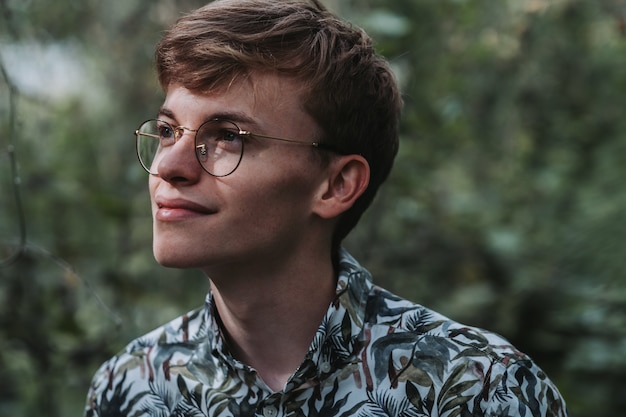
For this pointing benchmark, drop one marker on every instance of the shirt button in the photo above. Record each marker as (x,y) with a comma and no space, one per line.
(270,411)
(325,367)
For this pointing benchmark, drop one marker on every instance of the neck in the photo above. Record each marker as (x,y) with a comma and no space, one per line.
(270,318)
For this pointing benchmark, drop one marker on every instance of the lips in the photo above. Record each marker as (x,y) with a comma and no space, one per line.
(179,209)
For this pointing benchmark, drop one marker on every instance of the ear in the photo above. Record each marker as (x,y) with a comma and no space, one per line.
(348,177)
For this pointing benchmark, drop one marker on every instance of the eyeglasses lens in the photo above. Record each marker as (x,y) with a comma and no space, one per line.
(218,145)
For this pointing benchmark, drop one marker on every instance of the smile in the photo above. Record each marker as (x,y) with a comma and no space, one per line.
(179,209)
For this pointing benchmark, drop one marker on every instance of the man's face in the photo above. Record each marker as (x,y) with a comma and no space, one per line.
(261,211)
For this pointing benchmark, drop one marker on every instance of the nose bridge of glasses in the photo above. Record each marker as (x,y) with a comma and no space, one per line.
(179,132)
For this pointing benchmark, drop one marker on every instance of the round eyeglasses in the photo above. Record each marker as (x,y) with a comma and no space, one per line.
(218,144)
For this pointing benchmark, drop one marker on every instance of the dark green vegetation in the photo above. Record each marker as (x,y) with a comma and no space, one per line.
(504,210)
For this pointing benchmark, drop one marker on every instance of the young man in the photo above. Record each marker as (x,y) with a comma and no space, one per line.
(279,124)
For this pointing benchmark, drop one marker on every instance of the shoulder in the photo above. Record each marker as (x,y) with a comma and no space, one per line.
(400,323)
(179,332)
(152,356)
(418,355)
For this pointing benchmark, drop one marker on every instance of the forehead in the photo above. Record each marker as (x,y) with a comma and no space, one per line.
(277,88)
(263,97)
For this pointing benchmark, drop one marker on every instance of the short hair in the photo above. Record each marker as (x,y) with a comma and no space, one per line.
(349,90)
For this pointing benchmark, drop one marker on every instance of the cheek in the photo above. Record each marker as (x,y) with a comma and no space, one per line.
(154,182)
(281,172)
(286,190)
(152,185)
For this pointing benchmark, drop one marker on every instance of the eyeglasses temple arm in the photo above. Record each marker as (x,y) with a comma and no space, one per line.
(318,145)
(138,133)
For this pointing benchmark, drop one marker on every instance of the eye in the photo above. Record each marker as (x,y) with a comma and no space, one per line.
(220,136)
(165,131)
(229,135)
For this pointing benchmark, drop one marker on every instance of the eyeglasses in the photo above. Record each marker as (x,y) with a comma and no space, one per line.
(218,144)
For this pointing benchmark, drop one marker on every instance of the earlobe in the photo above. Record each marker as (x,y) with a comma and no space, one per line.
(348,178)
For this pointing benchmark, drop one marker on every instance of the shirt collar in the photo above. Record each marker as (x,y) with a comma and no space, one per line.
(337,337)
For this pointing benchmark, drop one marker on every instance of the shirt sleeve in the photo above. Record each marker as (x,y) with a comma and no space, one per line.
(110,391)
(96,388)
(523,390)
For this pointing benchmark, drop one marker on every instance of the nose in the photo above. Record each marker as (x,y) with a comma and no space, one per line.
(179,163)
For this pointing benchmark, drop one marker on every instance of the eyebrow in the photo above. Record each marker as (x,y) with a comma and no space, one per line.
(164,111)
(233,116)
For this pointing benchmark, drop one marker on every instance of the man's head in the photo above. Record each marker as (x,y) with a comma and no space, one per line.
(347,88)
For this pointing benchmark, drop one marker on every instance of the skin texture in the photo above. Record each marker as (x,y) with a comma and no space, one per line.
(262,234)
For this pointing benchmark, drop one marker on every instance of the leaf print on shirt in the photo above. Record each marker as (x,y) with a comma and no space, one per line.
(374,354)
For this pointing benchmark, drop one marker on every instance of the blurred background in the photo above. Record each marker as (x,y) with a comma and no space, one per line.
(504,209)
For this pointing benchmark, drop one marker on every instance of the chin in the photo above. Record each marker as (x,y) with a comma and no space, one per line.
(169,258)
(176,258)
(168,263)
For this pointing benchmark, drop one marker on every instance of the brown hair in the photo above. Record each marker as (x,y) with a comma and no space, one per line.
(349,90)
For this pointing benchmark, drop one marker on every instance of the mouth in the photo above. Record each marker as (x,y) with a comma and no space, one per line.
(180,209)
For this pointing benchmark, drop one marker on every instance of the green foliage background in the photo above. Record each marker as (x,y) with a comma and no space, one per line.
(504,209)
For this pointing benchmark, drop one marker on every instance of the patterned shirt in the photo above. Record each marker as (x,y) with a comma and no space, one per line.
(374,354)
